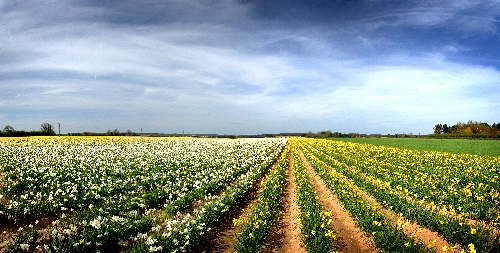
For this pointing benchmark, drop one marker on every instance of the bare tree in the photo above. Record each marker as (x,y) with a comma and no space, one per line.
(9,130)
(47,129)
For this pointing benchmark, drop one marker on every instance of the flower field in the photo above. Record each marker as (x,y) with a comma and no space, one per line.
(102,194)
(456,196)
(138,194)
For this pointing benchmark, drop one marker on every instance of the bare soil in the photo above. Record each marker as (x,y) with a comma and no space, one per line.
(425,205)
(289,227)
(284,238)
(9,230)
(222,237)
(350,236)
(430,238)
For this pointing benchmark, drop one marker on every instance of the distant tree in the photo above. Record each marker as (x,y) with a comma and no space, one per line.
(113,132)
(481,128)
(47,129)
(338,134)
(8,130)
(445,129)
(438,129)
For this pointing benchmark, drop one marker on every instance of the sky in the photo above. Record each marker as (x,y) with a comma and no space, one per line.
(249,66)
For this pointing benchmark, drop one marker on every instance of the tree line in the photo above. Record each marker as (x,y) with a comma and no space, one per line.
(46,129)
(473,129)
(328,133)
(108,133)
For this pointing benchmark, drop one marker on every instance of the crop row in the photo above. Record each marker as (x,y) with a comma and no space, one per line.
(317,233)
(147,195)
(455,227)
(102,195)
(180,233)
(464,184)
(255,228)
(388,237)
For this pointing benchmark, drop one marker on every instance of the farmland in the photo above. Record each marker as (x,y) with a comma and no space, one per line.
(456,146)
(134,194)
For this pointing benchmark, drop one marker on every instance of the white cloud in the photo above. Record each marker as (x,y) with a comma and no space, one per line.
(218,74)
(468,18)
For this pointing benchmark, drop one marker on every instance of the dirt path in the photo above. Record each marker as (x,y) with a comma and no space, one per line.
(417,202)
(222,237)
(350,236)
(424,205)
(289,228)
(430,238)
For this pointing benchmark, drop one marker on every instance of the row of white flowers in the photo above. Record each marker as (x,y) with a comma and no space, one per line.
(179,233)
(104,193)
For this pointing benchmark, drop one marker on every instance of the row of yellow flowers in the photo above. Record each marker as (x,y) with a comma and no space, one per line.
(255,228)
(390,192)
(387,237)
(466,184)
(317,231)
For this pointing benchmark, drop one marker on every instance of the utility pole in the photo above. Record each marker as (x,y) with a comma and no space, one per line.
(59,129)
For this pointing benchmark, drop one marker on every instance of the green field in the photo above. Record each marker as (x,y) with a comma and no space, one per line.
(475,147)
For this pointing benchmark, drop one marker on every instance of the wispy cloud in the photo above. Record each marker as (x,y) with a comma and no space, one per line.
(221,68)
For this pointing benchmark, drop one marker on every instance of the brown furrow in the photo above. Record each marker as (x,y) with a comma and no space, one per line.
(349,234)
(430,238)
(423,203)
(222,237)
(291,226)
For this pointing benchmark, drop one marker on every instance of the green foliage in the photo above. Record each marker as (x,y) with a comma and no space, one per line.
(422,185)
(473,147)
(471,129)
(386,236)
(316,232)
(255,228)
(110,195)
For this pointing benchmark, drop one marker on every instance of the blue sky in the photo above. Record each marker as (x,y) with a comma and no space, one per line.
(248,67)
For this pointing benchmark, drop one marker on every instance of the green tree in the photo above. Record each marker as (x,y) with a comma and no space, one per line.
(445,129)
(438,129)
